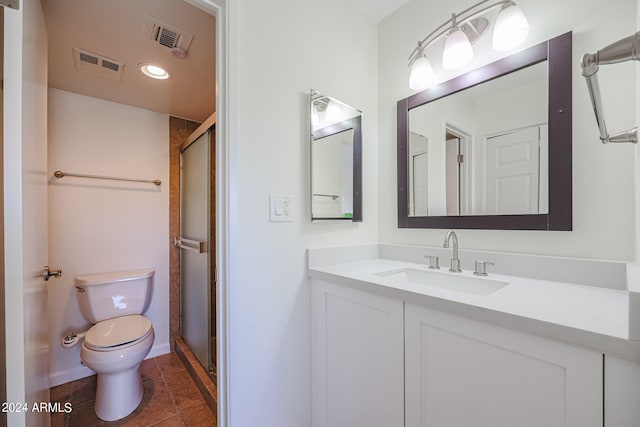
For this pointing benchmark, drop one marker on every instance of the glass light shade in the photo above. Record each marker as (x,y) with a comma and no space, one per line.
(422,76)
(333,114)
(511,28)
(457,50)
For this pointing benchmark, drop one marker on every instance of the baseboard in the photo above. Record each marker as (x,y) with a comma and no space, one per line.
(62,377)
(159,350)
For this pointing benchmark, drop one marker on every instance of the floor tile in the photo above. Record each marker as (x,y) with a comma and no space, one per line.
(84,416)
(170,364)
(61,393)
(184,391)
(149,369)
(174,421)
(84,390)
(198,416)
(59,419)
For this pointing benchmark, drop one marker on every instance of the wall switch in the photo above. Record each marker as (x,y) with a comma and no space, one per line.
(281,207)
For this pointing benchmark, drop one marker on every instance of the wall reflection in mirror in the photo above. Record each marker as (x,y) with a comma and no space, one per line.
(336,160)
(483,150)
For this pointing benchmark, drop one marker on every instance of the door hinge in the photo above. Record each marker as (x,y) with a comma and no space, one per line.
(460,158)
(13,4)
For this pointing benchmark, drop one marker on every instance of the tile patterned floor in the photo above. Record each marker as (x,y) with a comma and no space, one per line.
(170,399)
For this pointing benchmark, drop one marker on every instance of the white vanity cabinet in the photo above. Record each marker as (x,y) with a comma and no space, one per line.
(381,362)
(357,358)
(461,372)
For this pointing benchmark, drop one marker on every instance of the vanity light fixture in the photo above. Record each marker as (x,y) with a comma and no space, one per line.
(154,71)
(422,75)
(333,113)
(462,30)
(325,111)
(457,49)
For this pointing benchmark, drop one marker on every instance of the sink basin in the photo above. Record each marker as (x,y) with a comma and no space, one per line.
(443,280)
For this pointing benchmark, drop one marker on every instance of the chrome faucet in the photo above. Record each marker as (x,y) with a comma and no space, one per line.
(455,261)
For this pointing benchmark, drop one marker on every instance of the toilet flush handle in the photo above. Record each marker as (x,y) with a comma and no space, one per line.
(47,273)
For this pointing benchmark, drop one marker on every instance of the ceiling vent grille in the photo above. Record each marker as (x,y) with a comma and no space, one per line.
(89,58)
(166,35)
(101,65)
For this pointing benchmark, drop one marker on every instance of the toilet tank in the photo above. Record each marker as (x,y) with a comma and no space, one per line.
(108,295)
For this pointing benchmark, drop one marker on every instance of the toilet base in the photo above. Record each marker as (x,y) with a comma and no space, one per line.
(119,390)
(118,395)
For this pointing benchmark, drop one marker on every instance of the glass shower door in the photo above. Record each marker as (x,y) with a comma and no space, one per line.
(194,243)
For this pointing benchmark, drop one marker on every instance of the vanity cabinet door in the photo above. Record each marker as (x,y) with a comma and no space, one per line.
(621,392)
(357,358)
(463,373)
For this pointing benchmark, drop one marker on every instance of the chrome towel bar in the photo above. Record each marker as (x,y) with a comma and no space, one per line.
(60,174)
(333,196)
(190,245)
(626,49)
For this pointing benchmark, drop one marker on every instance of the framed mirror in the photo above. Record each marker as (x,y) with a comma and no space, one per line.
(491,149)
(336,160)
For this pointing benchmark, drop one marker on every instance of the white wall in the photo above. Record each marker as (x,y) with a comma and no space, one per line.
(603,175)
(279,51)
(99,226)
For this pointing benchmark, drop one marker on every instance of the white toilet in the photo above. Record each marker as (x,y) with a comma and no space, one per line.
(120,338)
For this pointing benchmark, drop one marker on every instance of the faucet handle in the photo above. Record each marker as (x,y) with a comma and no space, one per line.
(434,262)
(481,267)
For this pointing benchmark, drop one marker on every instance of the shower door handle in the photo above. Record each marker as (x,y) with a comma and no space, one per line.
(190,245)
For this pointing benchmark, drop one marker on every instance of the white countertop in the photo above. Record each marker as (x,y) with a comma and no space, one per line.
(590,316)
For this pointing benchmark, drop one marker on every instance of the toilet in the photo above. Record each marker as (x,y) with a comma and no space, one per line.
(119,339)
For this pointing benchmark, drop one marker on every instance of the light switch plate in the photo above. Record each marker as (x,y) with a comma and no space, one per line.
(281,207)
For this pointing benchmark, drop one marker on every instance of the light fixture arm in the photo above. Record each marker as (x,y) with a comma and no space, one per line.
(455,20)
(626,49)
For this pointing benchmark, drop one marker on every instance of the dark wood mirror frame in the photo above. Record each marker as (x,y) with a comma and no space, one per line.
(557,52)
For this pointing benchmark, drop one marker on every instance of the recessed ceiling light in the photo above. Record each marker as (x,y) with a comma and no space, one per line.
(154,71)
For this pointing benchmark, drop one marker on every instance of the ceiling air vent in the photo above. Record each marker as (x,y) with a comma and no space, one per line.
(84,57)
(166,35)
(101,65)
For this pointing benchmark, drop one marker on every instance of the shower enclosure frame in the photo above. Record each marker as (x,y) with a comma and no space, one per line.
(197,257)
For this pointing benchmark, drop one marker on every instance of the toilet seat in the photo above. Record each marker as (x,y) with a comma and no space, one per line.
(117,333)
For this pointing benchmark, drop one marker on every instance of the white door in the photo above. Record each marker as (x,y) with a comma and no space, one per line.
(453,176)
(420,184)
(25,209)
(418,175)
(513,172)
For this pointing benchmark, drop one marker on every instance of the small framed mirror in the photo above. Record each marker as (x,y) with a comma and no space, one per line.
(336,160)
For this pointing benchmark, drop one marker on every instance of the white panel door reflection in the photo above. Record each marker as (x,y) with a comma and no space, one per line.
(514,162)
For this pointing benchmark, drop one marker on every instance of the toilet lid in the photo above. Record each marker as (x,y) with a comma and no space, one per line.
(117,331)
